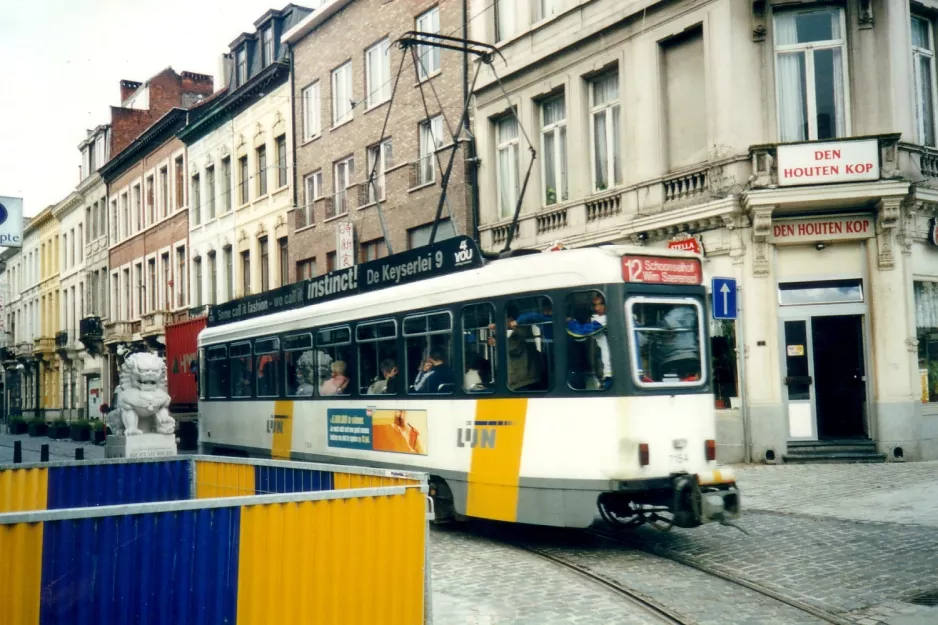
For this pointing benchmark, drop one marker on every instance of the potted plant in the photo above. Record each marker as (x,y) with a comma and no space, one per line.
(58,429)
(80,430)
(98,433)
(38,427)
(18,425)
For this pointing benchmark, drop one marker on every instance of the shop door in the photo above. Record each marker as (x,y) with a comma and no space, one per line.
(799,380)
(839,376)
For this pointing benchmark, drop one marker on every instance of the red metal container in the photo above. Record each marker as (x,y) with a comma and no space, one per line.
(182,353)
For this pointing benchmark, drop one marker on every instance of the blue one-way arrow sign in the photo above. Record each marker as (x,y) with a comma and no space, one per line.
(723,294)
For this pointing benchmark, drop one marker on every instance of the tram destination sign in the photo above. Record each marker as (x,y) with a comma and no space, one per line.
(430,261)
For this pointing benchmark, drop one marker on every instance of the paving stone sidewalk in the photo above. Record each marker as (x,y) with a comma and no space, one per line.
(59,450)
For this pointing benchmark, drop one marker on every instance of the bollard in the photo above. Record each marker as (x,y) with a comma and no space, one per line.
(44,453)
(79,453)
(17,452)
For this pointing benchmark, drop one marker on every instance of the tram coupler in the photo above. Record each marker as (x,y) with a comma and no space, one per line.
(699,499)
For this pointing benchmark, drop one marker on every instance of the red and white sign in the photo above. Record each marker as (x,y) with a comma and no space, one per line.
(344,245)
(826,163)
(660,270)
(834,228)
(687,243)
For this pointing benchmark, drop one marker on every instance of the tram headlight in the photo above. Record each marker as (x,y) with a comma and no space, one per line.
(711,449)
(643,457)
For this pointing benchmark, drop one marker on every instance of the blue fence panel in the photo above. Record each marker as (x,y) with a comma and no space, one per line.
(106,570)
(117,484)
(268,480)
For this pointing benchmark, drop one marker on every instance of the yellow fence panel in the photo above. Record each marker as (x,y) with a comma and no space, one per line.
(22,490)
(21,558)
(223,479)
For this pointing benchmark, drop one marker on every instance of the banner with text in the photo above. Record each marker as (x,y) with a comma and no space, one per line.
(826,163)
(832,228)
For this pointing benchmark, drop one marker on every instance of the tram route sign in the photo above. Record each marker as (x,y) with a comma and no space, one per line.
(723,298)
(429,261)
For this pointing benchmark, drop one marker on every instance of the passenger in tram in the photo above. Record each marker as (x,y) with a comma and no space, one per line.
(336,385)
(305,375)
(387,385)
(583,362)
(477,369)
(599,316)
(524,361)
(680,353)
(435,376)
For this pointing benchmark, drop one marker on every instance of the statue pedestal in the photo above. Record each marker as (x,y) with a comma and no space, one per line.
(140,446)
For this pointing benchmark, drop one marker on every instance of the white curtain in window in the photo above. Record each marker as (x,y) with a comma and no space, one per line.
(926,305)
(507,165)
(601,155)
(505,18)
(839,122)
(790,81)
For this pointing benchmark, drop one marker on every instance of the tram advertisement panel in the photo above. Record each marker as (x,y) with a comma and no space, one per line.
(395,431)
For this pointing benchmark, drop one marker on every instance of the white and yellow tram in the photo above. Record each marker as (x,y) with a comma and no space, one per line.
(543,388)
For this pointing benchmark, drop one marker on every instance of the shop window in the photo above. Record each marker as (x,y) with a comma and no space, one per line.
(299,365)
(267,361)
(428,344)
(530,344)
(926,328)
(723,361)
(217,372)
(589,364)
(334,361)
(666,336)
(478,328)
(377,357)
(242,369)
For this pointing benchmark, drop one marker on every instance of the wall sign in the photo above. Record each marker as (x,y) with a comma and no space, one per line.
(833,228)
(661,270)
(429,261)
(826,163)
(344,245)
(11,222)
(687,243)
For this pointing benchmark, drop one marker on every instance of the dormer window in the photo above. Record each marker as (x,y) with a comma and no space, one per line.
(242,67)
(268,47)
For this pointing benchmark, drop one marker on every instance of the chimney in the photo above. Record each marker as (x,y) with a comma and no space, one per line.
(224,70)
(127,89)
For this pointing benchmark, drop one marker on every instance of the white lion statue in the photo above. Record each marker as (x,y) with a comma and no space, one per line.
(141,395)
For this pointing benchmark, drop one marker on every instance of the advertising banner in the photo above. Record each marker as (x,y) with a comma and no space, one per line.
(11,221)
(371,429)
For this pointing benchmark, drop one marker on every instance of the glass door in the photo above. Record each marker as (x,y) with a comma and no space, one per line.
(799,380)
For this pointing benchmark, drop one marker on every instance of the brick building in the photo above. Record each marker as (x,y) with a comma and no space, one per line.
(341,95)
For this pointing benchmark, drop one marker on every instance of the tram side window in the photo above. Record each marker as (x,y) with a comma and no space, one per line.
(589,366)
(478,329)
(267,362)
(428,344)
(377,357)
(666,341)
(242,370)
(299,365)
(216,373)
(201,378)
(530,344)
(334,361)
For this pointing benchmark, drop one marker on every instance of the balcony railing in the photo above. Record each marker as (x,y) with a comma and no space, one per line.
(152,322)
(24,349)
(61,339)
(44,344)
(90,328)
(120,331)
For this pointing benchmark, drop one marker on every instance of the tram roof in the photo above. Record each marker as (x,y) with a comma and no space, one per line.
(499,277)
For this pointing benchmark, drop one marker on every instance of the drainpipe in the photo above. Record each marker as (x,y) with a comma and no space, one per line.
(293,125)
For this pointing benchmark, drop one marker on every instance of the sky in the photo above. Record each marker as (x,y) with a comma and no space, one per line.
(62,62)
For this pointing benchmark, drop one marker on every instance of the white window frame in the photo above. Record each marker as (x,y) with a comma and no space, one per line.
(428,57)
(681,301)
(809,49)
(342,90)
(378,87)
(341,194)
(555,128)
(267,38)
(917,53)
(506,19)
(544,9)
(312,118)
(430,134)
(512,146)
(384,153)
(241,66)
(613,142)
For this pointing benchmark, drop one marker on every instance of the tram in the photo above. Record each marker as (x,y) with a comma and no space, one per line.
(556,388)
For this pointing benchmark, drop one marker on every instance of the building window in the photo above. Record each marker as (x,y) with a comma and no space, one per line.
(180,184)
(168,281)
(420,236)
(78,244)
(342,94)
(141,290)
(428,57)
(306,269)
(210,191)
(330,262)
(268,38)
(311,112)
(114,220)
(344,173)
(125,217)
(245,273)
(196,201)
(431,139)
(126,308)
(281,142)
(926,326)
(242,62)
(265,264)
(180,277)
(811,67)
(723,362)
(378,73)
(229,274)
(151,279)
(923,62)
(372,250)
(245,177)
(197,281)
(505,19)
(604,119)
(226,183)
(138,209)
(507,147)
(544,9)
(554,149)
(284,260)
(151,215)
(164,192)
(313,184)
(262,171)
(379,161)
(89,219)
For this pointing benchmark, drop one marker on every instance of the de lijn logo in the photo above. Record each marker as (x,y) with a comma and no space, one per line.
(3,213)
